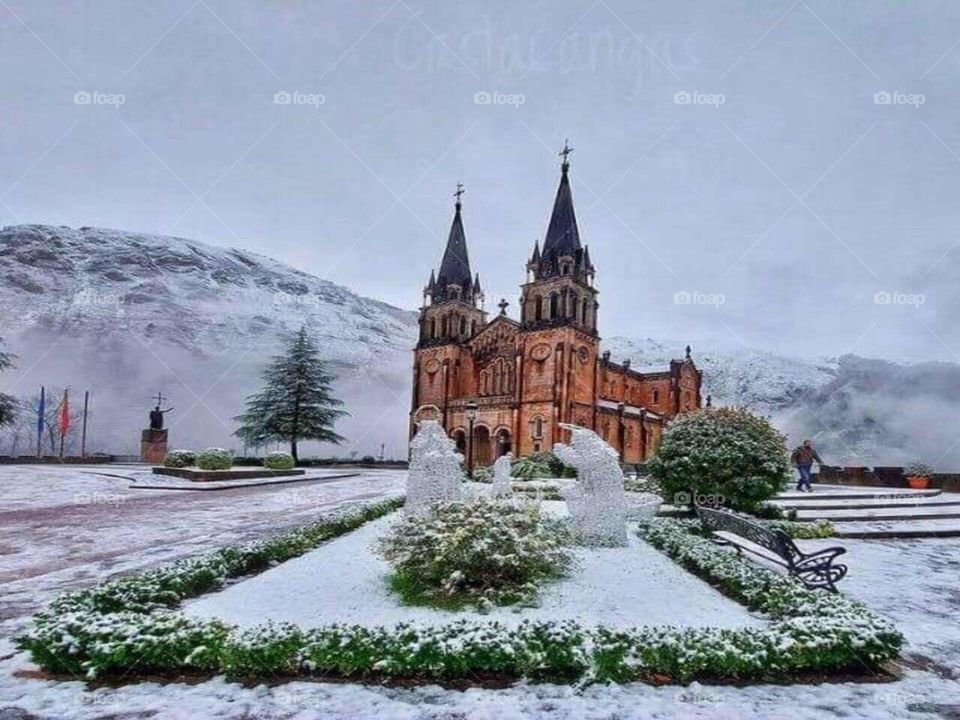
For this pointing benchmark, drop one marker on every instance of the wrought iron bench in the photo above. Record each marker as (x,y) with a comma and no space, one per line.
(815,570)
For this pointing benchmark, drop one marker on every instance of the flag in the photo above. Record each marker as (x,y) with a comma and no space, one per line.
(41,410)
(64,420)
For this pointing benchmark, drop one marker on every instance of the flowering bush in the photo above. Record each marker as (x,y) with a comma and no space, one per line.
(180,459)
(215,459)
(724,456)
(279,461)
(478,552)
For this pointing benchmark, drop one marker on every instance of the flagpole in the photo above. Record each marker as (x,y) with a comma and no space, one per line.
(40,411)
(83,435)
(64,413)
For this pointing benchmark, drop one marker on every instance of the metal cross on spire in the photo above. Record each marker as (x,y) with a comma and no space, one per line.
(159,398)
(460,191)
(565,153)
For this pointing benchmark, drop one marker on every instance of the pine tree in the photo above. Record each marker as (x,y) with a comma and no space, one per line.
(295,403)
(8,404)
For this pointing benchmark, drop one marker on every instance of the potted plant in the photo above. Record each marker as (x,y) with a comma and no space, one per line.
(918,475)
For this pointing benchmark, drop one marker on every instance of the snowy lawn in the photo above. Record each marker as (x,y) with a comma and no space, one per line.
(345,581)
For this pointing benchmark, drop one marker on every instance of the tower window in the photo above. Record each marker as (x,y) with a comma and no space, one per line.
(539,308)
(554,301)
(656,396)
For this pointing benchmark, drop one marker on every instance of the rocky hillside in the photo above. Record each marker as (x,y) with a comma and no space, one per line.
(125,315)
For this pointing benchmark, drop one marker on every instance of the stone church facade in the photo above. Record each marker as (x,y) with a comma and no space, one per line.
(525,377)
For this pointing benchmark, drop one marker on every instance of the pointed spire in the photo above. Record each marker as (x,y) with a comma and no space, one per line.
(432,283)
(586,258)
(455,266)
(535,258)
(563,236)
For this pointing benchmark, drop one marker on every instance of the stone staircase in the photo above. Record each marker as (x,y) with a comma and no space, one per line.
(878,512)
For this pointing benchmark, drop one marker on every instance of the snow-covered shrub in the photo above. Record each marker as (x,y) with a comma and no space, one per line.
(214,458)
(539,466)
(596,502)
(180,459)
(278,460)
(721,456)
(477,552)
(804,530)
(435,473)
(483,474)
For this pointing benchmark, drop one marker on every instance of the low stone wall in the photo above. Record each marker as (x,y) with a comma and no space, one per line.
(197,475)
(882,476)
(53,460)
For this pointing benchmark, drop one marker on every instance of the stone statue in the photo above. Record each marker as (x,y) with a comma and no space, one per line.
(156,417)
(501,477)
(596,502)
(435,469)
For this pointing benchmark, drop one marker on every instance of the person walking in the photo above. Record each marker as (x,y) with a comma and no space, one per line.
(803,458)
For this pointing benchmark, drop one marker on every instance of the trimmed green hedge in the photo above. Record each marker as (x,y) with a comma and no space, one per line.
(127,624)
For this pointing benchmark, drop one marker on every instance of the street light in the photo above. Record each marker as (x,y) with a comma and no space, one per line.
(471,416)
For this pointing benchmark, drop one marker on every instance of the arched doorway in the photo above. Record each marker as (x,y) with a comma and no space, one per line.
(502,443)
(459,436)
(481,447)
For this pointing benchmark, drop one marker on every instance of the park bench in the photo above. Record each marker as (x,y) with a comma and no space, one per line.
(814,570)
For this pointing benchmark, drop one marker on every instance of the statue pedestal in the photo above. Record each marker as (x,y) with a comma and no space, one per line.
(153,446)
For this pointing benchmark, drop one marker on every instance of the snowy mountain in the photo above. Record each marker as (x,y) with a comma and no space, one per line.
(126,314)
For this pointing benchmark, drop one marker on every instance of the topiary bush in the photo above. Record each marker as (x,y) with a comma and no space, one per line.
(214,458)
(279,460)
(721,456)
(180,459)
(480,553)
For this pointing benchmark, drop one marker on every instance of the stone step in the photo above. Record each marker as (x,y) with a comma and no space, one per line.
(904,530)
(864,505)
(899,517)
(828,492)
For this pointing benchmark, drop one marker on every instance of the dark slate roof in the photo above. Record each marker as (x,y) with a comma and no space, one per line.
(563,236)
(455,267)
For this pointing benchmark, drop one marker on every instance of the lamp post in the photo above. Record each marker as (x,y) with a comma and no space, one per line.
(471,416)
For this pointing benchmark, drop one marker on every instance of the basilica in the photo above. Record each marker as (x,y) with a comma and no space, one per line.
(506,385)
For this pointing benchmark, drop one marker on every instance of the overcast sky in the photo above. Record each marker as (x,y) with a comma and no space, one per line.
(736,175)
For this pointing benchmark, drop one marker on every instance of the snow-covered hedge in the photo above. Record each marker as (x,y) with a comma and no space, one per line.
(215,459)
(484,552)
(180,459)
(279,460)
(803,530)
(127,626)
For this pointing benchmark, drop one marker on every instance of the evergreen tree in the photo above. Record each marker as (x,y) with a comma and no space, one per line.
(295,403)
(8,404)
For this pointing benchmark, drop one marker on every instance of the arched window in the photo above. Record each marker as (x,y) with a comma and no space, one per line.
(463,326)
(554,302)
(539,308)
(656,396)
(572,306)
(433,327)
(538,428)
(583,312)
(443,326)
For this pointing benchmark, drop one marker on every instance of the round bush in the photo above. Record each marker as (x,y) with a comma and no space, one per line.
(180,459)
(721,456)
(279,460)
(215,459)
(539,466)
(481,552)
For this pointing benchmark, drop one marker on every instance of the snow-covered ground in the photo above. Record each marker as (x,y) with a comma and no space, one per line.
(346,582)
(913,582)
